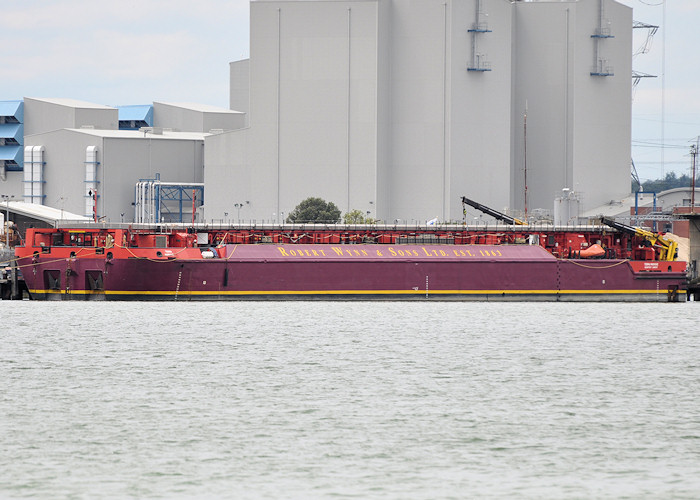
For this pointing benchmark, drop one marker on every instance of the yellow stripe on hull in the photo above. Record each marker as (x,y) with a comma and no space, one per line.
(351,292)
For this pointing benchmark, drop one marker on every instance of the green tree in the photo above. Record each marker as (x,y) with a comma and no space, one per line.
(315,210)
(670,181)
(356,217)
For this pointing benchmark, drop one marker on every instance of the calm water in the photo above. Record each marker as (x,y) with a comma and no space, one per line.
(349,400)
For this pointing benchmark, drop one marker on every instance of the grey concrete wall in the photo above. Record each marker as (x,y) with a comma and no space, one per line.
(380,124)
(104,119)
(479,122)
(419,37)
(578,125)
(64,171)
(177,118)
(40,116)
(239,98)
(184,119)
(43,116)
(369,104)
(313,104)
(13,185)
(222,121)
(384,159)
(229,180)
(123,161)
(602,123)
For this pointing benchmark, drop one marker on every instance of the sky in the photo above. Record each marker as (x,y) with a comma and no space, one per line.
(137,52)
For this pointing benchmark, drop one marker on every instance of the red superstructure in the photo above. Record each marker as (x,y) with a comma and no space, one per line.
(316,261)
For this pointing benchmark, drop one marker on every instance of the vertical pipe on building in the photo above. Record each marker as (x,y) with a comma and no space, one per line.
(279,83)
(525,158)
(38,174)
(566,105)
(28,159)
(348,109)
(154,202)
(32,176)
(27,173)
(598,64)
(474,37)
(444,115)
(29,177)
(149,185)
(102,193)
(139,203)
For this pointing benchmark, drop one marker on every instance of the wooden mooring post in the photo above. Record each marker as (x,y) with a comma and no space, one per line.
(11,286)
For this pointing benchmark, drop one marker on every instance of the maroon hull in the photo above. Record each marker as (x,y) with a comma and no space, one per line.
(468,272)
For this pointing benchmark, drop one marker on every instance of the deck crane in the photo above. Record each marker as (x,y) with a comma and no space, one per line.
(667,248)
(490,211)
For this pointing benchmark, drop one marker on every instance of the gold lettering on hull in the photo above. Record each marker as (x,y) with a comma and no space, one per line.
(390,252)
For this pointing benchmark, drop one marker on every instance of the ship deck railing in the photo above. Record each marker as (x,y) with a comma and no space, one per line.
(534,227)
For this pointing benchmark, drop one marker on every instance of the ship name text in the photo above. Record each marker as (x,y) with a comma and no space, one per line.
(423,252)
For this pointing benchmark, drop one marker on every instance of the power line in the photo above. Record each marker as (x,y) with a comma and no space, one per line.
(657,146)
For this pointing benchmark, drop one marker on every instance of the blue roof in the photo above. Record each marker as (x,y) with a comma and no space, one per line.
(12,108)
(12,131)
(11,153)
(136,113)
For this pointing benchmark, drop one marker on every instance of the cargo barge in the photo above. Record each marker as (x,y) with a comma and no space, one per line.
(336,262)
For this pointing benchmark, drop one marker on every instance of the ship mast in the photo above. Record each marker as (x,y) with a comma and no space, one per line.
(525,160)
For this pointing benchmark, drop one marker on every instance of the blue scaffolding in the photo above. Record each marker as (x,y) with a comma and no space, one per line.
(170,202)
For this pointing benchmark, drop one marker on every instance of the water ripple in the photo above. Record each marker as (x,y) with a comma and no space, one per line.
(349,400)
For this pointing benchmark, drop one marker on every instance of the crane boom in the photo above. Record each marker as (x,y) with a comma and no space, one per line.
(493,213)
(668,249)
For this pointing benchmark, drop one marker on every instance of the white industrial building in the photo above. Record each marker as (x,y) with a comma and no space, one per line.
(76,159)
(73,169)
(47,114)
(399,107)
(193,117)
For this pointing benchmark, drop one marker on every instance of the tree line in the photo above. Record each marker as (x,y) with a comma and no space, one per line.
(318,210)
(670,181)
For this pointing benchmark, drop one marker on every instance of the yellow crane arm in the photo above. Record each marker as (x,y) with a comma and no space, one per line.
(668,249)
